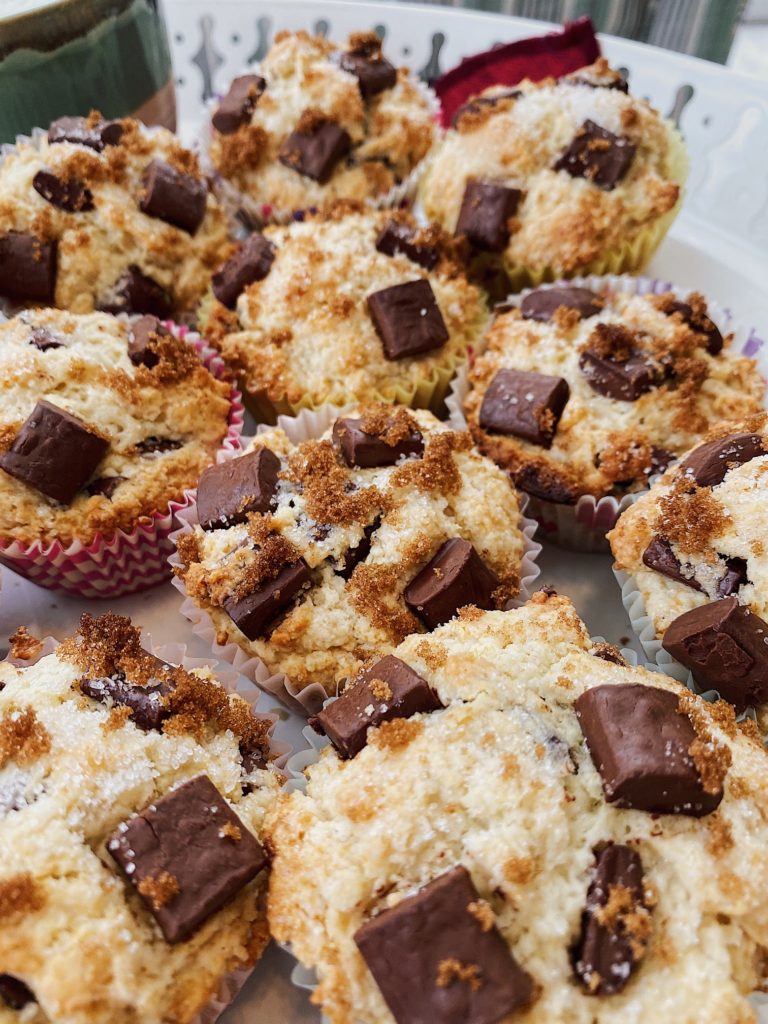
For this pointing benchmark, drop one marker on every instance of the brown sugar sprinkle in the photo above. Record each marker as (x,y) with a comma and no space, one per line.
(612,341)
(519,870)
(244,148)
(748,727)
(8,434)
(451,970)
(391,425)
(160,890)
(184,160)
(229,830)
(469,613)
(325,482)
(712,759)
(23,738)
(177,361)
(118,717)
(433,655)
(374,591)
(24,646)
(380,690)
(626,459)
(188,549)
(483,914)
(690,517)
(720,839)
(312,119)
(364,43)
(622,913)
(397,734)
(566,318)
(437,469)
(19,894)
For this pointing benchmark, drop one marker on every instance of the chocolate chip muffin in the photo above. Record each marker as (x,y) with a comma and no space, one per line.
(591,391)
(316,121)
(107,215)
(540,833)
(103,422)
(319,555)
(694,546)
(557,178)
(132,796)
(346,307)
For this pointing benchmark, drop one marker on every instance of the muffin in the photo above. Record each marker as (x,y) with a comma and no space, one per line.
(694,547)
(588,392)
(107,215)
(556,178)
(104,421)
(540,833)
(315,121)
(347,307)
(315,556)
(132,874)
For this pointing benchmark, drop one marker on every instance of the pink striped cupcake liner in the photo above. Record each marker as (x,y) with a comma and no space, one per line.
(124,562)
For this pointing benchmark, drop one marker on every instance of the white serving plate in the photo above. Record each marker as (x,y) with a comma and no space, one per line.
(719,245)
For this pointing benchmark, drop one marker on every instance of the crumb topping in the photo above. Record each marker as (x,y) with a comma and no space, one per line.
(160,890)
(19,895)
(23,737)
(451,970)
(483,914)
(691,517)
(23,645)
(315,466)
(712,759)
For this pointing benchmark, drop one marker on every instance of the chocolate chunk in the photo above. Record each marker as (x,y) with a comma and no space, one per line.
(389,689)
(134,292)
(142,341)
(607,951)
(174,197)
(367,450)
(660,459)
(158,445)
(543,481)
(434,957)
(408,320)
(70,195)
(397,238)
(724,646)
(27,267)
(104,485)
(701,324)
(230,490)
(14,993)
(618,83)
(660,557)
(79,130)
(255,613)
(528,405)
(316,151)
(41,338)
(734,578)
(187,854)
(479,103)
(709,463)
(239,103)
(54,452)
(597,155)
(354,556)
(623,380)
(640,744)
(374,74)
(252,262)
(456,576)
(148,709)
(542,303)
(485,213)
(608,652)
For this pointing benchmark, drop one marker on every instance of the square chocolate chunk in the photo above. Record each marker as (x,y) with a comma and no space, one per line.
(230,490)
(252,262)
(456,576)
(314,148)
(408,320)
(435,959)
(528,405)
(485,213)
(54,452)
(389,689)
(135,292)
(365,451)
(709,463)
(255,613)
(542,303)
(27,267)
(660,557)
(68,194)
(724,645)
(187,854)
(148,707)
(374,73)
(80,131)
(174,197)
(143,338)
(700,323)
(622,380)
(640,743)
(239,103)
(396,238)
(597,155)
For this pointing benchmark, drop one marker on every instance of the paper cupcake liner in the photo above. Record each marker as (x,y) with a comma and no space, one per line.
(237,202)
(307,699)
(126,561)
(583,526)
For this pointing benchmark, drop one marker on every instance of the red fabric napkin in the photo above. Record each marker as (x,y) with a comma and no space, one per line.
(555,54)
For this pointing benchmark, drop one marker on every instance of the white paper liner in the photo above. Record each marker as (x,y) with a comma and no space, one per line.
(307,700)
(234,200)
(583,526)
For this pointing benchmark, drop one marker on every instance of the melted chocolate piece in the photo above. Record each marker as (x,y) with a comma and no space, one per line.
(456,576)
(623,381)
(389,689)
(148,709)
(618,83)
(660,557)
(255,613)
(597,155)
(527,405)
(374,73)
(78,130)
(702,325)
(396,238)
(54,452)
(724,645)
(27,267)
(486,210)
(187,854)
(142,341)
(239,103)
(542,304)
(478,103)
(411,948)
(608,652)
(158,445)
(43,340)
(543,481)
(70,195)
(734,578)
(365,451)
(134,292)
(104,485)
(252,262)
(227,492)
(639,742)
(176,198)
(709,463)
(354,556)
(408,320)
(315,153)
(14,993)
